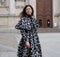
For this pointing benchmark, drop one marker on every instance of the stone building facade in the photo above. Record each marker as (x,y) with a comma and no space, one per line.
(9,11)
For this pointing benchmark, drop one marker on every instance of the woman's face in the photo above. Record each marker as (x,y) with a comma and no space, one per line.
(28,10)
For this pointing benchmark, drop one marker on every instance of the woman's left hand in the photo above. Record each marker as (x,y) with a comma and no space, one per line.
(28,44)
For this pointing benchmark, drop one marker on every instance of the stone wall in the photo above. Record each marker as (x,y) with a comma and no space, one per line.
(9,14)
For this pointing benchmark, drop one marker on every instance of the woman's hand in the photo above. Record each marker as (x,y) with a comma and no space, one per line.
(27,44)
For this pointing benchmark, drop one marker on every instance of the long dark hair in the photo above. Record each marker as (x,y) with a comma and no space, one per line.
(23,13)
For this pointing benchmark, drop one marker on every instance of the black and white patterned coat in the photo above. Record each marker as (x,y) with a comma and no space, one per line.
(28,27)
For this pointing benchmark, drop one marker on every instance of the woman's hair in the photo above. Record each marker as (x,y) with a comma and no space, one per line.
(23,13)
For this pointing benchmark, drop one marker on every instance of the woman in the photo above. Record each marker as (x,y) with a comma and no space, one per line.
(29,45)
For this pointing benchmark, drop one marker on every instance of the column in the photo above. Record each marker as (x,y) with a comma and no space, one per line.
(56,12)
(12,6)
(33,3)
(27,2)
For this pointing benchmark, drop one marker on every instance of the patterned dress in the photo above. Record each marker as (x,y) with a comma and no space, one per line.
(28,28)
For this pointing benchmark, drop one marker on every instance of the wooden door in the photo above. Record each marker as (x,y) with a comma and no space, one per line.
(44,13)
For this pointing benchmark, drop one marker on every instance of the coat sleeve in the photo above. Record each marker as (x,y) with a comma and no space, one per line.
(23,24)
(25,35)
(36,24)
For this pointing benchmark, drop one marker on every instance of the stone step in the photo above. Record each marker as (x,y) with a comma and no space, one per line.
(40,30)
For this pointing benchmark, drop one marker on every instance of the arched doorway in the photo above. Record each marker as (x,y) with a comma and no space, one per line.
(44,13)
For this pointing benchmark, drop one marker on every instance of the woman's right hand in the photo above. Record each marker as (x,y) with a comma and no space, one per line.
(27,44)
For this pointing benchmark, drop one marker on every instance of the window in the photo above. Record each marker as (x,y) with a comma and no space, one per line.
(3,3)
(19,3)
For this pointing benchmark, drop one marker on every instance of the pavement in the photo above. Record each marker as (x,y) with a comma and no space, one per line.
(9,39)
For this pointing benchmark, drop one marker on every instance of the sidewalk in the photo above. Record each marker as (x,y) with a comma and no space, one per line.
(50,43)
